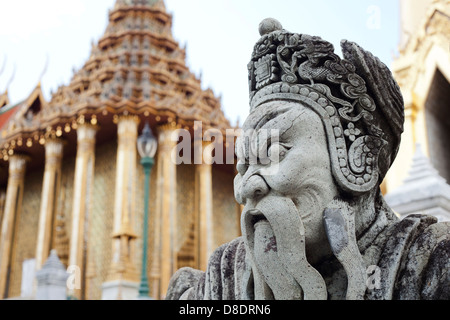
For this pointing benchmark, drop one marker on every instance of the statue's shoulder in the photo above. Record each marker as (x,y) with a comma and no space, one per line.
(426,272)
(414,260)
(425,269)
(220,281)
(225,271)
(185,284)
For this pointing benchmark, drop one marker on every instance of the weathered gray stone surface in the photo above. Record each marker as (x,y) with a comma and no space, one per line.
(315,225)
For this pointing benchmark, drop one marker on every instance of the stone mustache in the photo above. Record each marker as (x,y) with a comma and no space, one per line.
(313,229)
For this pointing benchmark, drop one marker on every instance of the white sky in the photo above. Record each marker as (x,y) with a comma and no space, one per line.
(220,35)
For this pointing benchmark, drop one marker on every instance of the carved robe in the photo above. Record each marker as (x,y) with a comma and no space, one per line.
(413,257)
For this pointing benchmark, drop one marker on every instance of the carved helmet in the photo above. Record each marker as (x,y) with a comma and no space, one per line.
(357,98)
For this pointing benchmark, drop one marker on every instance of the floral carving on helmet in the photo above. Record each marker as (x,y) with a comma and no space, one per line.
(352,132)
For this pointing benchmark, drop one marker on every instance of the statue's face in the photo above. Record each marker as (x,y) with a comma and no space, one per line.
(303,171)
(291,192)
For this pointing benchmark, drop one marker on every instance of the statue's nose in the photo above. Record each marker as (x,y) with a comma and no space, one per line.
(254,188)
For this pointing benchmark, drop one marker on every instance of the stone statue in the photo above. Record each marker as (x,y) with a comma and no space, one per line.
(318,227)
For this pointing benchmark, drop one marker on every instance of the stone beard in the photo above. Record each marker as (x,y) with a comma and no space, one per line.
(315,225)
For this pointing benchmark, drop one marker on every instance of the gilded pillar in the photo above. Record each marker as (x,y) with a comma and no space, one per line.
(123,278)
(164,252)
(51,184)
(204,197)
(82,197)
(13,204)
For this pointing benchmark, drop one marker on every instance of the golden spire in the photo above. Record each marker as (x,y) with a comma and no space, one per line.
(148,3)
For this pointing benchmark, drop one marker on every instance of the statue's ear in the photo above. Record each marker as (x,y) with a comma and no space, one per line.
(384,90)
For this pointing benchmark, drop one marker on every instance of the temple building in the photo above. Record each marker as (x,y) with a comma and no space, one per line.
(422,70)
(418,182)
(71,178)
(71,182)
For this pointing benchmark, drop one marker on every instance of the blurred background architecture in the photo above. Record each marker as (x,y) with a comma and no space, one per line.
(422,70)
(71,179)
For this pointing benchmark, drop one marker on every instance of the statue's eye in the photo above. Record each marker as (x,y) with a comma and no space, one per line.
(277,152)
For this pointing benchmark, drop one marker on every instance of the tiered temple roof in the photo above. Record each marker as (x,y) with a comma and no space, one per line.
(135,68)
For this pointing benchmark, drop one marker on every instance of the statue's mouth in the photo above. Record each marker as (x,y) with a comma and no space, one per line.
(256,217)
(261,228)
(258,226)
